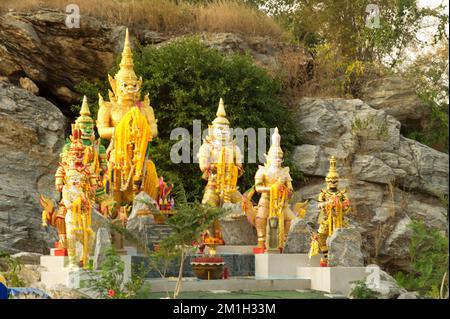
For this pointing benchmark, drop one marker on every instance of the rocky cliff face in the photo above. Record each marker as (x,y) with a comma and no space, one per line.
(390,179)
(39,46)
(31,136)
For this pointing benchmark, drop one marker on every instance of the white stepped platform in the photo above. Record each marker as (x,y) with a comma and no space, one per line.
(231,284)
(282,266)
(57,271)
(333,279)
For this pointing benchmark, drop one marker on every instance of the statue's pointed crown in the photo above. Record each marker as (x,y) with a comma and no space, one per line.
(75,139)
(275,150)
(85,113)
(332,172)
(221,115)
(126,71)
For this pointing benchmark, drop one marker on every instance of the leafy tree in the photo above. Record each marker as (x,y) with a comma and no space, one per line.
(430,74)
(189,221)
(347,25)
(428,250)
(185,80)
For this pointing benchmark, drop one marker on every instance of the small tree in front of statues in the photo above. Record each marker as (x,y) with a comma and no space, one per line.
(187,224)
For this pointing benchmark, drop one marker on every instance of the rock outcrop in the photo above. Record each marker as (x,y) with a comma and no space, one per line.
(391,179)
(38,45)
(32,132)
(397,97)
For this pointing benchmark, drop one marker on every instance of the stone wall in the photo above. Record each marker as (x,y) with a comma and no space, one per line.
(31,136)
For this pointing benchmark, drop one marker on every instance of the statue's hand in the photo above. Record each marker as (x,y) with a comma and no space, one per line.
(240,171)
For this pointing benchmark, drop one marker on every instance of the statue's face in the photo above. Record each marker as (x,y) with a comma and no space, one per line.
(221,132)
(332,183)
(275,162)
(76,156)
(87,130)
(129,89)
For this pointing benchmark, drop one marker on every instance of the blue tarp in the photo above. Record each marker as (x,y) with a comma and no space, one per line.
(19,291)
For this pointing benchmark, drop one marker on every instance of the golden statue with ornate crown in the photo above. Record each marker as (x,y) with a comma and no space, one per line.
(220,161)
(130,125)
(334,205)
(273,216)
(73,218)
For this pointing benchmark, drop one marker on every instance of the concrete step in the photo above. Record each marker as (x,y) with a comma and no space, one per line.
(235,249)
(231,284)
(276,266)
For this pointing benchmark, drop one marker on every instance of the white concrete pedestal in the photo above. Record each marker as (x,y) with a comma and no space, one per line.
(58,273)
(282,266)
(332,279)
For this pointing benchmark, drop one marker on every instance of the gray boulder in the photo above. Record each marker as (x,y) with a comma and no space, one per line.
(236,229)
(397,97)
(299,237)
(344,248)
(388,287)
(102,244)
(409,295)
(137,222)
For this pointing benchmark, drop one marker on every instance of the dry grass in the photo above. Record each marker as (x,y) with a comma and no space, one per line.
(166,15)
(233,16)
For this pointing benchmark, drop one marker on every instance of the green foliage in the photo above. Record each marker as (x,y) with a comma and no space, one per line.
(429,252)
(430,74)
(108,282)
(185,80)
(361,291)
(350,48)
(10,267)
(344,25)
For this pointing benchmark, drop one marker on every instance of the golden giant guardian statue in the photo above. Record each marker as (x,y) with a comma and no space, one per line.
(221,164)
(130,125)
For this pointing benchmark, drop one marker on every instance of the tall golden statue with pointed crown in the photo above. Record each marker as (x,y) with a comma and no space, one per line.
(333,205)
(273,217)
(130,124)
(221,164)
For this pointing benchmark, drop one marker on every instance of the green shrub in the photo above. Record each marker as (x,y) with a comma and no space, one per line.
(429,261)
(108,282)
(10,267)
(185,80)
(361,291)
